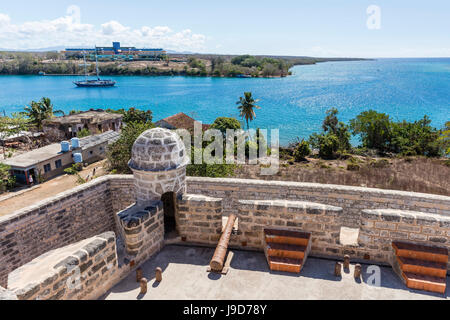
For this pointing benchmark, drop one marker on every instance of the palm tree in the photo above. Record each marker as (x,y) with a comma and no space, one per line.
(247,107)
(47,107)
(37,112)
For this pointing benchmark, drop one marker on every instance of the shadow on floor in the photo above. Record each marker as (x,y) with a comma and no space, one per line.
(389,279)
(314,268)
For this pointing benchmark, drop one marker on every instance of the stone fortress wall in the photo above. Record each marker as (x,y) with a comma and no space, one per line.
(131,207)
(84,270)
(69,217)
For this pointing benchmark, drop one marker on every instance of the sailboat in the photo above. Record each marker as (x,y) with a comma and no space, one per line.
(93,83)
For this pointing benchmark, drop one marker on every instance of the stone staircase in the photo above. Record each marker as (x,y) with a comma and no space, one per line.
(286,250)
(421,267)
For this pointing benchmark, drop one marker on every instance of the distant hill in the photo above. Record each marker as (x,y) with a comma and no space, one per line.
(59,48)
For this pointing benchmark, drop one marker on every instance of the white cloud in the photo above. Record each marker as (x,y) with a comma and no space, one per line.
(4,20)
(113,28)
(70,32)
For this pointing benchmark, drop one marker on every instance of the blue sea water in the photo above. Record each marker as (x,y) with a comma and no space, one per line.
(404,88)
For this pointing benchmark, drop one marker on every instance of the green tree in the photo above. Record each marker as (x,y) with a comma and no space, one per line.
(335,137)
(332,125)
(134,115)
(247,106)
(224,123)
(444,139)
(374,128)
(47,107)
(37,112)
(301,151)
(331,121)
(119,152)
(415,138)
(7,181)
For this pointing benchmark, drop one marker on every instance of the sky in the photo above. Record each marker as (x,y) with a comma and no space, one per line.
(320,28)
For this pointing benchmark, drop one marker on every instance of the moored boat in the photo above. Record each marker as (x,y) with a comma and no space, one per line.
(98,83)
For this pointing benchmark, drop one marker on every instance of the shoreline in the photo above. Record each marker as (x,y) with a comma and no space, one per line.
(204,68)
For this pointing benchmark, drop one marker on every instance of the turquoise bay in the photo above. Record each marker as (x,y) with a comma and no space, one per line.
(404,88)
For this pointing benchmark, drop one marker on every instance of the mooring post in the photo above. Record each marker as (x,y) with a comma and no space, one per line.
(357,271)
(158,274)
(337,269)
(143,283)
(138,274)
(346,261)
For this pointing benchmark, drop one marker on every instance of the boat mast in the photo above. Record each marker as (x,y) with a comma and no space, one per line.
(96,63)
(85,69)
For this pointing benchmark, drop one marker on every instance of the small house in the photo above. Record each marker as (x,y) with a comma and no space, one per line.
(50,161)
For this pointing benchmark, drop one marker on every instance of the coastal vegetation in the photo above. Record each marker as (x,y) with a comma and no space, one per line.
(405,155)
(54,63)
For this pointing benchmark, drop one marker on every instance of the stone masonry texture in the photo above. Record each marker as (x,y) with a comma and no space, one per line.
(381,216)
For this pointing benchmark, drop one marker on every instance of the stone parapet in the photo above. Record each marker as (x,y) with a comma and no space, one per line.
(351,199)
(143,230)
(69,217)
(319,219)
(199,218)
(381,227)
(83,270)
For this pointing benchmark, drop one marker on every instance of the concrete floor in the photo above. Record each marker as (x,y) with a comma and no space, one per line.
(47,189)
(185,278)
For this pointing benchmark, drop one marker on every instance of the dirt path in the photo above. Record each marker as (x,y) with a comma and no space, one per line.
(48,189)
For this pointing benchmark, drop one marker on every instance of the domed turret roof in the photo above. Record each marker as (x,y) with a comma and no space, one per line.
(158,150)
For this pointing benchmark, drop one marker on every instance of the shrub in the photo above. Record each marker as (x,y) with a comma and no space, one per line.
(74,169)
(83,133)
(119,152)
(301,151)
(328,145)
(353,166)
(382,163)
(7,181)
(208,170)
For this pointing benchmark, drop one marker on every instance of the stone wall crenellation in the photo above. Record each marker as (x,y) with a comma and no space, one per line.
(351,199)
(107,204)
